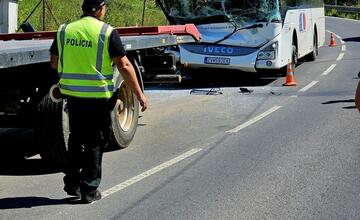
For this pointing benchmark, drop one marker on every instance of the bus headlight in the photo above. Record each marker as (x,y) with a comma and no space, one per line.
(269,52)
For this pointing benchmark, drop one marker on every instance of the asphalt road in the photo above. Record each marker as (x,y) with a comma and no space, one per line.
(210,151)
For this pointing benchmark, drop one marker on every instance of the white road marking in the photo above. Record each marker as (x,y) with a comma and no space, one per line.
(343,48)
(294,96)
(313,83)
(148,173)
(341,55)
(37,156)
(255,119)
(342,42)
(329,70)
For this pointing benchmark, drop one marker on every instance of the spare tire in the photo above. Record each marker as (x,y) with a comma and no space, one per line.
(52,131)
(124,116)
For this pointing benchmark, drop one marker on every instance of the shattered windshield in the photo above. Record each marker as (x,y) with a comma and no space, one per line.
(218,11)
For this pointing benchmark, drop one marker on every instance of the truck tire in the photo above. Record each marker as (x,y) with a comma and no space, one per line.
(315,52)
(52,131)
(294,57)
(294,61)
(124,116)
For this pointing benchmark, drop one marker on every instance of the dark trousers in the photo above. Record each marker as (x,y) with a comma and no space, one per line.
(90,125)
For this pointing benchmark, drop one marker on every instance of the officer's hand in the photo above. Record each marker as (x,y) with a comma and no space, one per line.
(143,102)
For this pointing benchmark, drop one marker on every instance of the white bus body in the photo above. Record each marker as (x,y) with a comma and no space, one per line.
(244,43)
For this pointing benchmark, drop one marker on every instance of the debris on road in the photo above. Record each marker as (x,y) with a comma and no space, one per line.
(246,90)
(212,91)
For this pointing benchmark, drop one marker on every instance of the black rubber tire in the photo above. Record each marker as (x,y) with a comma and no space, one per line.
(125,115)
(294,60)
(51,119)
(315,52)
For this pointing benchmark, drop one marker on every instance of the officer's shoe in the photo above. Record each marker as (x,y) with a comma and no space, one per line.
(90,197)
(74,191)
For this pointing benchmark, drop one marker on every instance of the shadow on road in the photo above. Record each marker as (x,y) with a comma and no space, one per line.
(355,39)
(339,101)
(16,146)
(342,101)
(32,201)
(27,167)
(17,143)
(215,79)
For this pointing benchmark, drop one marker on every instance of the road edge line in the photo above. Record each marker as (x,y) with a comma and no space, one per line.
(331,68)
(306,88)
(254,120)
(149,173)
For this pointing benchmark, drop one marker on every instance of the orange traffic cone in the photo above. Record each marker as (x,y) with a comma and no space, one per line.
(332,40)
(290,79)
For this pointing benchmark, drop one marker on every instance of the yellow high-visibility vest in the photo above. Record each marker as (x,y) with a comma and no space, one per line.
(85,66)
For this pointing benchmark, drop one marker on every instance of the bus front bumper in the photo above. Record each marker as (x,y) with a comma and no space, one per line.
(247,63)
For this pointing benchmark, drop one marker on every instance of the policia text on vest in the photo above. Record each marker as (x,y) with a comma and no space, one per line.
(79,43)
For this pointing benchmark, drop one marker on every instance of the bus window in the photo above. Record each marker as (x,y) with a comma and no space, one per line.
(292,4)
(220,11)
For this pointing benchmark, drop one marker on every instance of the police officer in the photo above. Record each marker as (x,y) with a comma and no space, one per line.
(83,53)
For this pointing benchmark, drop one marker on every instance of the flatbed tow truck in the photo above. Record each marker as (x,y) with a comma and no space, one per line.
(26,79)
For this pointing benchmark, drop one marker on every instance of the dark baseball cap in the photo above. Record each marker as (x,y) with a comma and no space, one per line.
(93,5)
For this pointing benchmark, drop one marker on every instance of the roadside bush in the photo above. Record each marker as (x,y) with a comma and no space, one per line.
(333,12)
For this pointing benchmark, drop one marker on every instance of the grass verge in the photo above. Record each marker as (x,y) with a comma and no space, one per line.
(120,13)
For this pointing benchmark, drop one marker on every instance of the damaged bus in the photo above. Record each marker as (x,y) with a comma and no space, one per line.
(252,36)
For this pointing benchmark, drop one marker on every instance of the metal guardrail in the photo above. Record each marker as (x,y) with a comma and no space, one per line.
(345,9)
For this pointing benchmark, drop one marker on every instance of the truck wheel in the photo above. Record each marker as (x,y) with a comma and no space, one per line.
(315,52)
(294,60)
(124,116)
(52,131)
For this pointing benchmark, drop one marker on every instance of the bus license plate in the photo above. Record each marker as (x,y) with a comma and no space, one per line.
(217,60)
